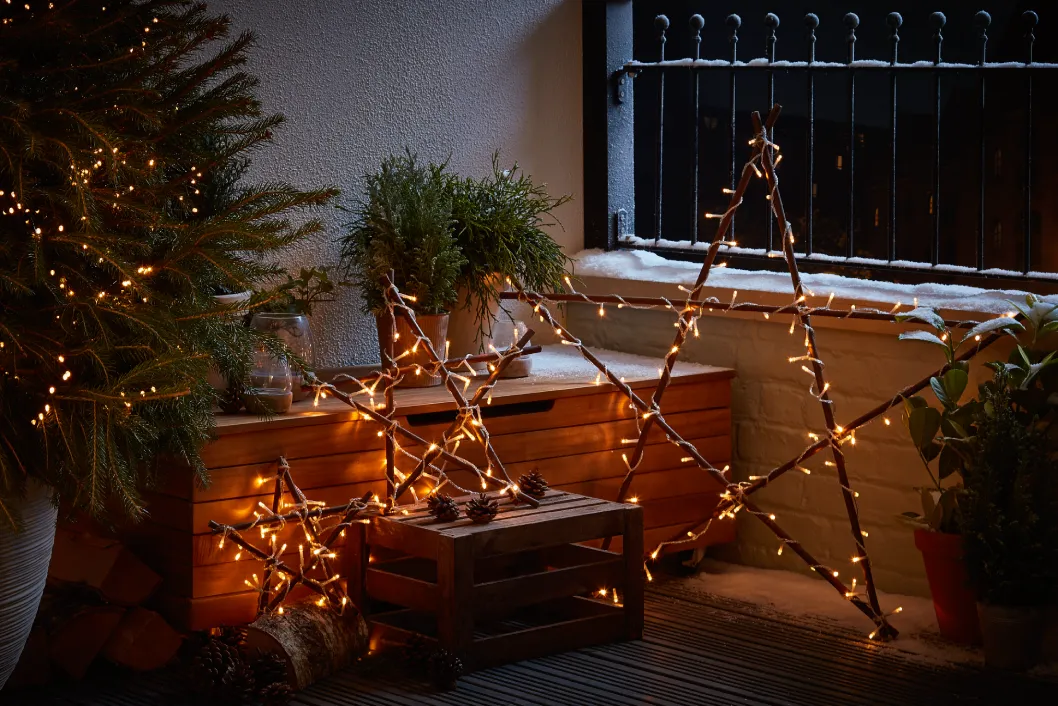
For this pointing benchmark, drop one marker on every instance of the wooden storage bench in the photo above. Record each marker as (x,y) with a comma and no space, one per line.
(510,589)
(556,421)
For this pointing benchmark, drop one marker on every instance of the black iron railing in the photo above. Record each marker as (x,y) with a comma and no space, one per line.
(913,247)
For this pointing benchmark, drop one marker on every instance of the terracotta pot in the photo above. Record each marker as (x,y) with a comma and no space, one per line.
(463,325)
(435,328)
(1012,635)
(953,600)
(24,559)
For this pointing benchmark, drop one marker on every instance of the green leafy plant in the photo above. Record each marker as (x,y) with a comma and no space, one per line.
(1010,503)
(499,226)
(404,225)
(944,435)
(123,146)
(298,295)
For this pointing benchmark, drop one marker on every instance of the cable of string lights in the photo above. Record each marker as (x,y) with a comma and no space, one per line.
(735,496)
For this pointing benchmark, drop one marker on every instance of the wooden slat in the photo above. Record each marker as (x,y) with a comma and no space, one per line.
(402,590)
(595,627)
(331,468)
(194,518)
(425,400)
(205,613)
(648,486)
(577,525)
(497,597)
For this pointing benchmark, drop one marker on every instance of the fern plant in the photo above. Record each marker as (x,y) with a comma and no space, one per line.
(499,226)
(404,225)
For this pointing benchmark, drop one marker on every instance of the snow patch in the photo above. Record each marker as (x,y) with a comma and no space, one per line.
(645,266)
(560,363)
(806,596)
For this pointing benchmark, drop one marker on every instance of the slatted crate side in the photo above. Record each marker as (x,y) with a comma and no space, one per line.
(720,532)
(194,518)
(264,445)
(649,486)
(436,399)
(515,447)
(240,479)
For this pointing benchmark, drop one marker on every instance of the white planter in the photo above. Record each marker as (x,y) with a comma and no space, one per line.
(24,559)
(216,381)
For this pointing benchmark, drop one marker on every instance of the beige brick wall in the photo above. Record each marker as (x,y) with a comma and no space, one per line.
(773,412)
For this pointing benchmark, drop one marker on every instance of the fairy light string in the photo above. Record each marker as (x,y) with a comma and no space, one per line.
(836,434)
(316,546)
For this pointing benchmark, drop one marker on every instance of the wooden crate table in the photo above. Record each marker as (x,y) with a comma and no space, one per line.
(509,589)
(557,421)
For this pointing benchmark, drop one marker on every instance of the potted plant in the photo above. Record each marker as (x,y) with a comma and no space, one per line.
(403,226)
(500,223)
(941,437)
(107,324)
(1010,523)
(997,454)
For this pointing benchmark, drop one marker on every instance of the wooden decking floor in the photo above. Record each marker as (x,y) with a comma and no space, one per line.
(698,650)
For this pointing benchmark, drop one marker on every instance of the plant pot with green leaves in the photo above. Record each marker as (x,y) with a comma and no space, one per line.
(403,228)
(1002,447)
(501,224)
(942,437)
(108,326)
(1009,525)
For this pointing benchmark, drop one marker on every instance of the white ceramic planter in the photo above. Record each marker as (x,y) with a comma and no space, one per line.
(24,559)
(214,378)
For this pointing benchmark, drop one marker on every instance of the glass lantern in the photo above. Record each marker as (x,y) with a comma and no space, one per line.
(505,333)
(271,384)
(294,331)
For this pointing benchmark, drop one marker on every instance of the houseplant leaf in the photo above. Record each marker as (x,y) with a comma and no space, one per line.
(925,336)
(924,314)
(923,424)
(1000,323)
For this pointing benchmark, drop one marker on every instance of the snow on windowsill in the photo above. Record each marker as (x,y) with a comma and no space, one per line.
(645,266)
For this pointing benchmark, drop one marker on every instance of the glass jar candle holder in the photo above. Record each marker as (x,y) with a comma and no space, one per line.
(505,333)
(293,330)
(270,385)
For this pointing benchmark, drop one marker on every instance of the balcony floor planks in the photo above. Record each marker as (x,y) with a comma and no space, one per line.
(698,649)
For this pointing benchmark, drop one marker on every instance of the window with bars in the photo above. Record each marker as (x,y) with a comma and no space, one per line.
(931,121)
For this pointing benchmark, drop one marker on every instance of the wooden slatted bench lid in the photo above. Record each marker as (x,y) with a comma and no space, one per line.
(561,518)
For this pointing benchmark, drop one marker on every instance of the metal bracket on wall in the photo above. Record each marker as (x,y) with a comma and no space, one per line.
(621,222)
(620,80)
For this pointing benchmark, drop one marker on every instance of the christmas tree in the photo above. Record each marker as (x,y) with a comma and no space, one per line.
(125,130)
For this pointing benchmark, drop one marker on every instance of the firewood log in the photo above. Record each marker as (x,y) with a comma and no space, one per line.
(105,565)
(75,643)
(142,641)
(314,641)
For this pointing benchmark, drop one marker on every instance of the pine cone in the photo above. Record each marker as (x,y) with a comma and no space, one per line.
(533,484)
(231,399)
(481,509)
(417,651)
(445,669)
(233,636)
(212,664)
(443,507)
(237,685)
(276,694)
(268,669)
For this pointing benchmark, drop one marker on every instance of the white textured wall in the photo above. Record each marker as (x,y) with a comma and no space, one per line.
(772,413)
(360,79)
